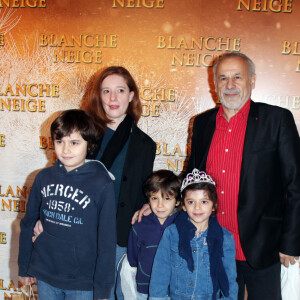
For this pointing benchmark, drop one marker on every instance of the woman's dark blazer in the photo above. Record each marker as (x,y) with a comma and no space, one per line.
(137,168)
(269,193)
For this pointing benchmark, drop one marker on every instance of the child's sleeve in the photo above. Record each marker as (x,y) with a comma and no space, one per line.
(230,264)
(105,264)
(161,270)
(132,249)
(27,225)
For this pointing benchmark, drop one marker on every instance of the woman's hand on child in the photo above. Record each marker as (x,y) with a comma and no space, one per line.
(37,230)
(138,215)
(27,280)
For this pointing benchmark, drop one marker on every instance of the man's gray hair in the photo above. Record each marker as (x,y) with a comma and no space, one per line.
(251,66)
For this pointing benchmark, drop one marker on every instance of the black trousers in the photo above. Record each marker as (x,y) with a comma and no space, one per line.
(261,284)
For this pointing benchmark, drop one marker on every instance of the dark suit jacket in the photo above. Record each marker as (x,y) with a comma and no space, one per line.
(137,167)
(269,192)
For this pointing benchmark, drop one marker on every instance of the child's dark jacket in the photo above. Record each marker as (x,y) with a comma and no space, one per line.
(76,250)
(143,241)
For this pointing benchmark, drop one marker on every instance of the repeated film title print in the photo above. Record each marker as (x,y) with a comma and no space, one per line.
(176,156)
(188,51)
(288,47)
(46,144)
(3,238)
(152,98)
(291,102)
(12,288)
(138,3)
(23,3)
(14,199)
(27,97)
(275,6)
(2,140)
(190,46)
(66,47)
(292,48)
(164,149)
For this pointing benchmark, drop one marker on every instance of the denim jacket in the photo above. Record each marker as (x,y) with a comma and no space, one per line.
(170,276)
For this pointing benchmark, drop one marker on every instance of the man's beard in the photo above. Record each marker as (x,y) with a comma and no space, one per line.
(237,104)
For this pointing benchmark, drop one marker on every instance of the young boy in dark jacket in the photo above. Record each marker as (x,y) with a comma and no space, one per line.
(74,256)
(162,190)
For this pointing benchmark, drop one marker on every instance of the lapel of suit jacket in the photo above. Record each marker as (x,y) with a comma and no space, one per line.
(207,138)
(251,131)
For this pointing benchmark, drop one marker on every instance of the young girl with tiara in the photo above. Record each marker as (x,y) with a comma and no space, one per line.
(196,256)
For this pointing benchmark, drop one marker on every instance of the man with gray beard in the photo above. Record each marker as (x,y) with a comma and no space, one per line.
(252,151)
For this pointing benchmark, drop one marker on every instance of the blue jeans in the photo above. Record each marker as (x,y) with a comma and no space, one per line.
(49,292)
(116,293)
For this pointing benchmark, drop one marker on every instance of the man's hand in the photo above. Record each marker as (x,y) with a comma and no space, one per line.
(27,280)
(37,230)
(286,259)
(144,211)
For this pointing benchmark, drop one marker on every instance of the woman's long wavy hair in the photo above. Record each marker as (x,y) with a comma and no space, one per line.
(94,104)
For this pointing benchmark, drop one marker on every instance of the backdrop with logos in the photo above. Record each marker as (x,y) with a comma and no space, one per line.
(50,50)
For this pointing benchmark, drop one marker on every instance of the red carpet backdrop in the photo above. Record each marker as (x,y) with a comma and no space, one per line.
(50,50)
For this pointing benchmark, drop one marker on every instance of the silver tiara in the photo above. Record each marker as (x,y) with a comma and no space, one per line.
(195,177)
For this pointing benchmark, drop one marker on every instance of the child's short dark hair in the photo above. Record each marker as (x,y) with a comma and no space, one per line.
(209,188)
(165,181)
(75,120)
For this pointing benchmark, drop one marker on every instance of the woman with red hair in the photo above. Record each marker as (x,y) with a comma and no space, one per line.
(123,148)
